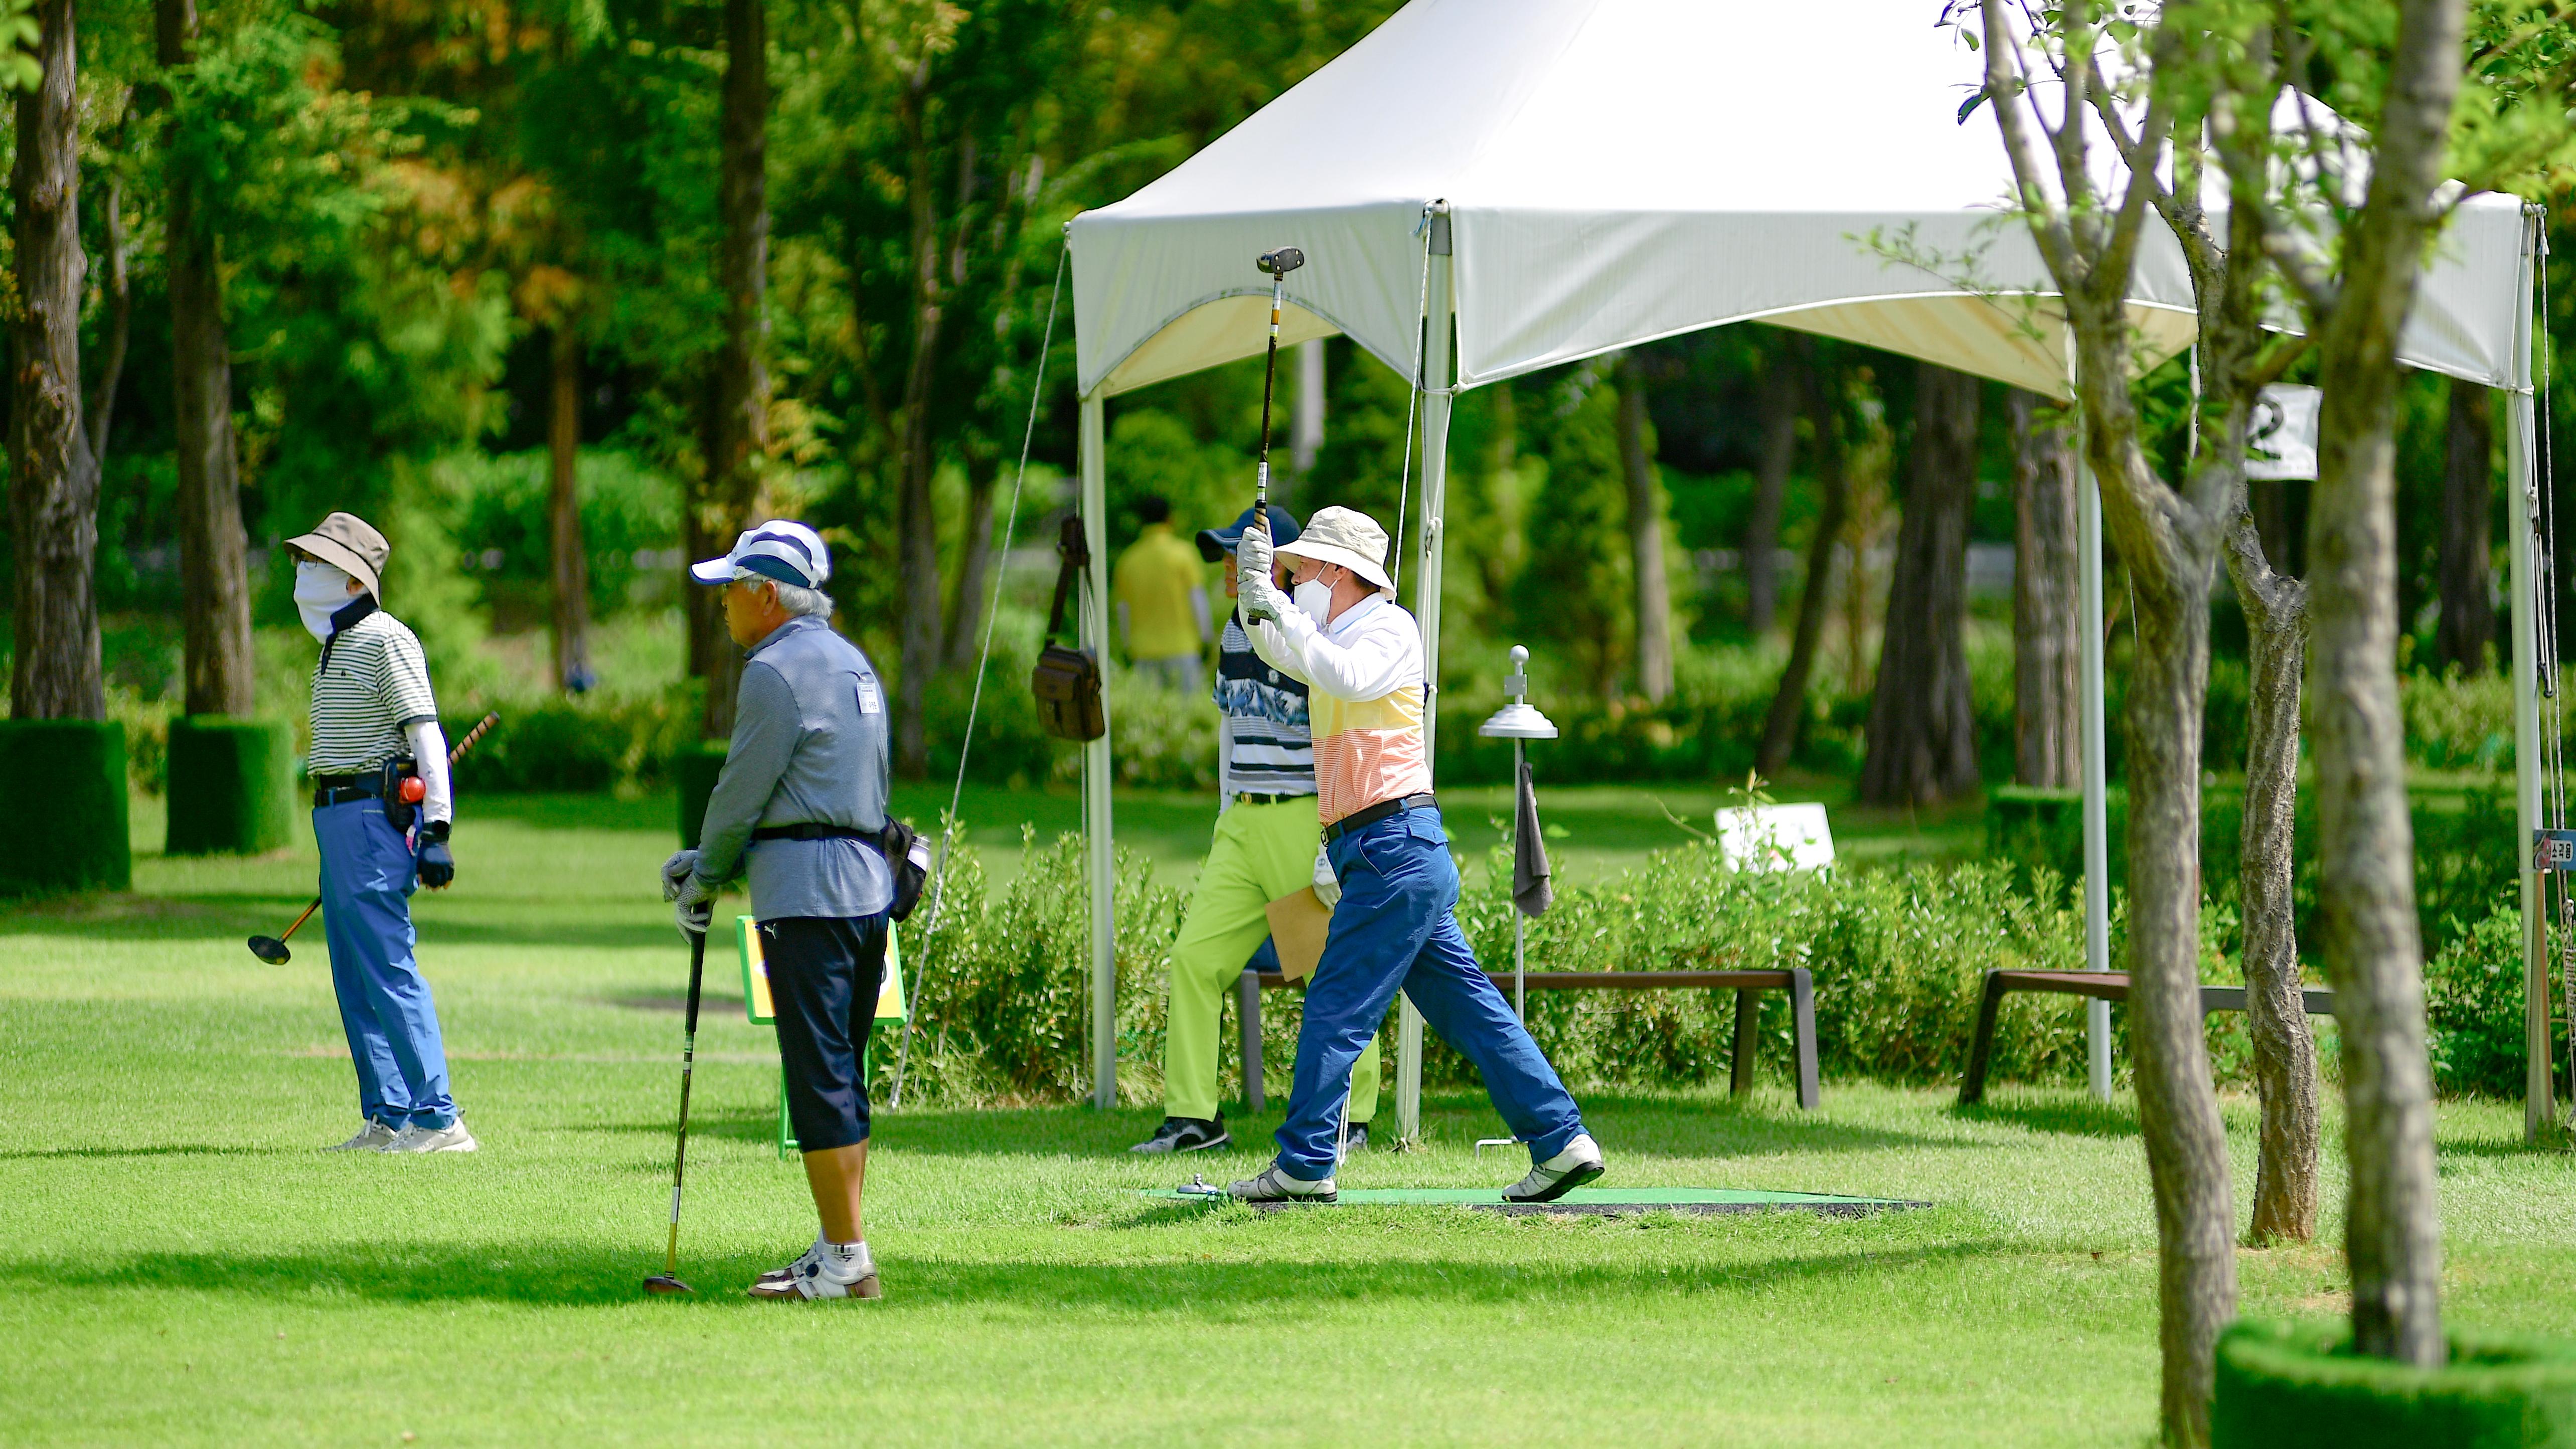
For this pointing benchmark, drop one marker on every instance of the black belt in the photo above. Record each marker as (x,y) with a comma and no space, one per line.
(1375,813)
(1269,799)
(330,790)
(807,830)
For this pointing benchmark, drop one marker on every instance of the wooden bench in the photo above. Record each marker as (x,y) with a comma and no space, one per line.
(1794,980)
(2100,986)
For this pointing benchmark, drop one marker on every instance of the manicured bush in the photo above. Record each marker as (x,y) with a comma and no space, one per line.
(2473,1004)
(65,779)
(2292,1386)
(229,785)
(694,769)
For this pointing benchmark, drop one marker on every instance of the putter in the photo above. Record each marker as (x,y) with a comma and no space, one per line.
(668,1280)
(272,949)
(1276,265)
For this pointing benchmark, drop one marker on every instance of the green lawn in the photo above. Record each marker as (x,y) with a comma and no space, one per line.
(181,1266)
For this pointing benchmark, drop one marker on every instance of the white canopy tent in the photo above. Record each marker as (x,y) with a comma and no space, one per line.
(1512,184)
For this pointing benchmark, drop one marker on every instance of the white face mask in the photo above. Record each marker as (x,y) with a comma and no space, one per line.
(1315,597)
(320,591)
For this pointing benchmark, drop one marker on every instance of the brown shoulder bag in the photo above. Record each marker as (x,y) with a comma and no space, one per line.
(1067,681)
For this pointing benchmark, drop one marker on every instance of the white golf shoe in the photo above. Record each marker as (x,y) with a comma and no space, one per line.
(1578,1164)
(376,1138)
(451,1138)
(822,1272)
(1276,1186)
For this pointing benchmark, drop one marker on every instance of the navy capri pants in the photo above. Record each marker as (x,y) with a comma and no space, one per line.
(825,973)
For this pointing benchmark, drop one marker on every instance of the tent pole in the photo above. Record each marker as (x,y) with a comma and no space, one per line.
(2538,1111)
(1426,612)
(1100,838)
(2097,824)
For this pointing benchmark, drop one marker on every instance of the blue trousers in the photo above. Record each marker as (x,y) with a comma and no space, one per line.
(1396,928)
(368,872)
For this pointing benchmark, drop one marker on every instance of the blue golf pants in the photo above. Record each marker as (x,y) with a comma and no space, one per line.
(1396,928)
(368,873)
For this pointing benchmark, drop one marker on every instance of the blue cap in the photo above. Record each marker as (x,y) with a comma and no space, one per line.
(1216,543)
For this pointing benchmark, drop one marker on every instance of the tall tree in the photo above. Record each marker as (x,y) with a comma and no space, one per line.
(1788,713)
(2048,632)
(569,572)
(1784,383)
(1922,735)
(1645,534)
(53,475)
(736,423)
(214,572)
(2468,500)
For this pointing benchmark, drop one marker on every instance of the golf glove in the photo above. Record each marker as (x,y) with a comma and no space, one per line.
(693,907)
(1328,886)
(437,863)
(676,872)
(1252,551)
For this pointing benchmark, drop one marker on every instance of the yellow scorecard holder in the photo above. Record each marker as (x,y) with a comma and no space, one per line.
(762,1009)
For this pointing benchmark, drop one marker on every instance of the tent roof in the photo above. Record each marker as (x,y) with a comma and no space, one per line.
(1622,170)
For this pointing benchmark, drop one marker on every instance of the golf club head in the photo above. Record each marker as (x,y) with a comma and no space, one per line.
(664,1283)
(271,950)
(1281,262)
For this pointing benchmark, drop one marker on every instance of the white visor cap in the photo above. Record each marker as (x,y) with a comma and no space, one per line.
(790,553)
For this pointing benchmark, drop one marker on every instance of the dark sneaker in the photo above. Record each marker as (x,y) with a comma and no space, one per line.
(1186,1134)
(1358,1140)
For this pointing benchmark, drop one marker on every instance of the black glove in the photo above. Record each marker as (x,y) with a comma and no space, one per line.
(437,865)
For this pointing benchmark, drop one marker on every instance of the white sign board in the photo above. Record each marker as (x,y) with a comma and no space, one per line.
(2281,437)
(1776,837)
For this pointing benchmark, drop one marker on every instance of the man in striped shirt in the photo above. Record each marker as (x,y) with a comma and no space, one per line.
(371,705)
(1264,848)
(1395,926)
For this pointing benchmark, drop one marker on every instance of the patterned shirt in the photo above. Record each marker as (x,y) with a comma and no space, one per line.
(1366,673)
(371,683)
(1264,745)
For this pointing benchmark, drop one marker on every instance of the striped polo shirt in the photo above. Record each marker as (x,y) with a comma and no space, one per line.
(370,684)
(1263,714)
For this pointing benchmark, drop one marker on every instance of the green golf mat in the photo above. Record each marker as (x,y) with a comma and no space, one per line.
(1592,1200)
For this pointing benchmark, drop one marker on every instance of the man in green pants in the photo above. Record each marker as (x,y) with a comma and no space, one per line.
(1266,834)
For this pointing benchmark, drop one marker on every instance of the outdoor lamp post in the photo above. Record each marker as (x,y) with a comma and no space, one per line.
(1520,722)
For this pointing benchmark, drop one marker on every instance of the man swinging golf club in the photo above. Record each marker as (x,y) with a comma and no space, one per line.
(1395,926)
(375,725)
(799,806)
(1263,849)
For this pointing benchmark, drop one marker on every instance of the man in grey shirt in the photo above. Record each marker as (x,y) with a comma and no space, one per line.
(800,808)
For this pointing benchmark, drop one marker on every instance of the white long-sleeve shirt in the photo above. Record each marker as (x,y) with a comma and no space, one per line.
(1364,676)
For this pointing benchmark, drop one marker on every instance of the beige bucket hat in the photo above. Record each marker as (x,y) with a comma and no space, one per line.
(1343,536)
(348,543)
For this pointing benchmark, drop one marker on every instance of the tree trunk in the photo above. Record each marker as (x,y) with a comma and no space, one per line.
(916,463)
(571,570)
(2365,849)
(2468,568)
(2048,635)
(975,565)
(1306,424)
(2285,1052)
(120,307)
(53,476)
(737,435)
(1645,535)
(1922,743)
(1782,383)
(1789,705)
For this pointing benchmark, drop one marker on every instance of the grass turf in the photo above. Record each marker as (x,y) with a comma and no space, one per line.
(181,1266)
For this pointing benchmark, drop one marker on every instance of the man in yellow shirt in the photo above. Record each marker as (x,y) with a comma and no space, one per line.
(1161,590)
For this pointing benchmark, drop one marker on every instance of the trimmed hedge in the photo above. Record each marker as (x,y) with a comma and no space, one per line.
(67,778)
(694,769)
(2288,1386)
(231,782)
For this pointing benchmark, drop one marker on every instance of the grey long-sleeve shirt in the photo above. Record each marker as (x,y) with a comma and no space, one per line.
(809,746)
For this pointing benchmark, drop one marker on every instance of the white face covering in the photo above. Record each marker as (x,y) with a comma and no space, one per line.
(320,592)
(1315,597)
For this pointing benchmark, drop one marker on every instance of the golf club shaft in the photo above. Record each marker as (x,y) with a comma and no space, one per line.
(1269,375)
(688,1061)
(300,920)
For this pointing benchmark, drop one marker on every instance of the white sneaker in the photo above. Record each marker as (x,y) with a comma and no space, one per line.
(1276,1186)
(377,1138)
(1578,1164)
(822,1272)
(451,1138)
